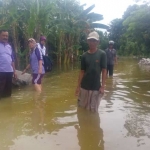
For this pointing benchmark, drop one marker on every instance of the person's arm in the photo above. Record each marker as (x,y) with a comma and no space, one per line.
(40,66)
(14,70)
(81,74)
(115,58)
(13,65)
(104,73)
(45,51)
(24,71)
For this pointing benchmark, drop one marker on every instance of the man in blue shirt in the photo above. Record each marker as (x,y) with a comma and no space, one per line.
(7,67)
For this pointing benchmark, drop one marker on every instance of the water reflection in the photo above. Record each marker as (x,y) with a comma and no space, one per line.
(38,114)
(51,121)
(6,123)
(90,135)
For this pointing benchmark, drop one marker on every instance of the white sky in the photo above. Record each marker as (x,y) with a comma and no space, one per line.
(110,9)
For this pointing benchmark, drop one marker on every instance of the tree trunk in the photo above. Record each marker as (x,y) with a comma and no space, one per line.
(60,57)
(77,55)
(57,56)
(16,44)
(65,56)
(60,47)
(72,56)
(68,60)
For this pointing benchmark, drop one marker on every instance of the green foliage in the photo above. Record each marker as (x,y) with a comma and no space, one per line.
(63,22)
(132,32)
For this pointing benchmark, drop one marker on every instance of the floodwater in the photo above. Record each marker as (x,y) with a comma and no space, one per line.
(51,121)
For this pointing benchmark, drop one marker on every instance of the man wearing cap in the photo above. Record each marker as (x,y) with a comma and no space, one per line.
(93,63)
(41,45)
(7,67)
(111,58)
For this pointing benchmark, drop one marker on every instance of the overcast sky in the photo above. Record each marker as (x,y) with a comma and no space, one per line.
(110,9)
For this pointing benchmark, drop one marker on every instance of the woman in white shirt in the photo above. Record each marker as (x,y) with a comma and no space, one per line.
(41,45)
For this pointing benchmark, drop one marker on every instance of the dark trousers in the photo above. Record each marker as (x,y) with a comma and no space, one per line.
(110,69)
(5,84)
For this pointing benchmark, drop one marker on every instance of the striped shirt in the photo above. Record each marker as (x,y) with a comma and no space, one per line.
(35,57)
(42,48)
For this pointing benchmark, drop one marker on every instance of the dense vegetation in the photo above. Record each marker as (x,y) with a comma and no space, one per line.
(65,23)
(132,32)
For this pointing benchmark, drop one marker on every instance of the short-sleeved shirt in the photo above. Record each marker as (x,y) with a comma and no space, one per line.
(111,55)
(35,57)
(92,64)
(42,48)
(6,58)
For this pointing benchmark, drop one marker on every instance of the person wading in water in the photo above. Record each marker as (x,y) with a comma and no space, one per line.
(111,58)
(93,63)
(36,64)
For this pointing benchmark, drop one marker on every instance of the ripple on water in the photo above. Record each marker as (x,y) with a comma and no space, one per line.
(148,95)
(53,121)
(121,86)
(136,87)
(120,93)
(143,81)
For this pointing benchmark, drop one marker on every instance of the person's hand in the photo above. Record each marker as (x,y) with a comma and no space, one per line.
(15,75)
(77,91)
(101,90)
(24,71)
(40,71)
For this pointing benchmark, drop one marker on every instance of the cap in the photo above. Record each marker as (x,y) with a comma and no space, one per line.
(31,40)
(111,42)
(93,35)
(42,38)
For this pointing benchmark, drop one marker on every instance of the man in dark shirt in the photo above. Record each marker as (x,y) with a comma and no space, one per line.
(93,63)
(111,58)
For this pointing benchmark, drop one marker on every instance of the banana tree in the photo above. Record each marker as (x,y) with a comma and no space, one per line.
(62,21)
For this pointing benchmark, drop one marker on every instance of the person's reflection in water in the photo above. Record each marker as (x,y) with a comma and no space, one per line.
(7,123)
(90,135)
(38,112)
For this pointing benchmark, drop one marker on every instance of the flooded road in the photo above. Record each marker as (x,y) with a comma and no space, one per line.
(51,121)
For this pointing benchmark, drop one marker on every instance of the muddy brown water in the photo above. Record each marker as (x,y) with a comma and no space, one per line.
(51,121)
